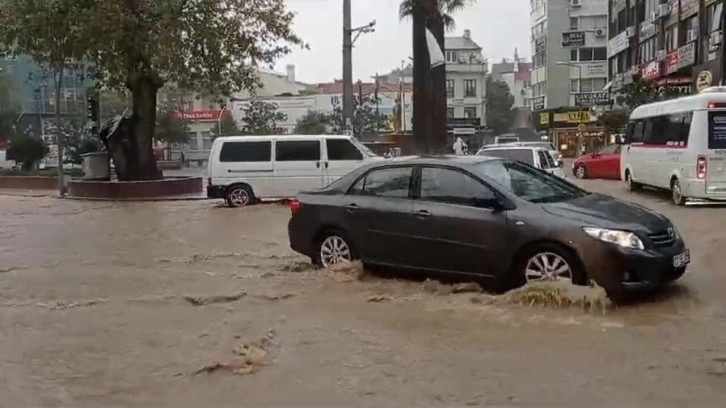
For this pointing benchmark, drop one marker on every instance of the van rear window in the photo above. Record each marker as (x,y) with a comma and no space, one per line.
(246,152)
(717,130)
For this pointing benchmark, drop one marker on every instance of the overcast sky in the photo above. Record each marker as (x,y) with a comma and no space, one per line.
(498,26)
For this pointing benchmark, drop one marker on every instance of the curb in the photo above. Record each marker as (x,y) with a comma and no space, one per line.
(140,199)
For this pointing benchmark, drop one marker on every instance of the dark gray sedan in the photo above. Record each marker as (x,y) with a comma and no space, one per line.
(482,217)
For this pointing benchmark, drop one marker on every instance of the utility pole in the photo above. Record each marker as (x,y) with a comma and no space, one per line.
(347,65)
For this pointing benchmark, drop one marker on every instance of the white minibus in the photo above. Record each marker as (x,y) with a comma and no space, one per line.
(678,145)
(245,169)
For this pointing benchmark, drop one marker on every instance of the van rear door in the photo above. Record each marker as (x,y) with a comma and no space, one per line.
(248,161)
(298,165)
(716,157)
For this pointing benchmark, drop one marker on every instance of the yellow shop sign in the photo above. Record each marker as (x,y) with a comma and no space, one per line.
(572,117)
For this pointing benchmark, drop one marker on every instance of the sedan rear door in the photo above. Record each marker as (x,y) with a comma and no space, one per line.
(379,207)
(453,234)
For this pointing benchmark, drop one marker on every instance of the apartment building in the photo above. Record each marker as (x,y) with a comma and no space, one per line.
(673,42)
(466,74)
(569,48)
(517,74)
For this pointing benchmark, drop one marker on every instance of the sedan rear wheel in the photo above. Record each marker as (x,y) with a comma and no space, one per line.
(334,248)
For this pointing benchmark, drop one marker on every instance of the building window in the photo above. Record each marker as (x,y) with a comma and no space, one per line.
(574,23)
(713,17)
(589,54)
(449,88)
(691,27)
(449,113)
(587,85)
(452,56)
(526,84)
(671,38)
(470,112)
(470,88)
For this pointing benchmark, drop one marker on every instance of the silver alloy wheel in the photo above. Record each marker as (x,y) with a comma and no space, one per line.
(333,250)
(239,197)
(676,193)
(547,266)
(580,173)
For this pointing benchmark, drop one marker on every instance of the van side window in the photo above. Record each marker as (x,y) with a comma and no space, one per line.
(635,134)
(245,152)
(297,150)
(685,129)
(342,149)
(658,131)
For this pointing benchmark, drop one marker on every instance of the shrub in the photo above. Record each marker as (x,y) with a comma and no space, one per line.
(27,149)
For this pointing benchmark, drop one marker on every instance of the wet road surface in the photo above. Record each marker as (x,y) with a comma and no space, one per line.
(121,304)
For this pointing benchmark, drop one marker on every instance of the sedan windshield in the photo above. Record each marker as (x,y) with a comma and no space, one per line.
(528,183)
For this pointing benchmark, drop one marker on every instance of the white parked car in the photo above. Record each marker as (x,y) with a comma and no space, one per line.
(244,169)
(678,145)
(534,156)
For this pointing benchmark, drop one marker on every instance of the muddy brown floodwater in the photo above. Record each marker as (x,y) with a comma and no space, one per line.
(191,304)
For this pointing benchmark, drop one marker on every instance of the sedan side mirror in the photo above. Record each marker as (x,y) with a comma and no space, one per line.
(594,154)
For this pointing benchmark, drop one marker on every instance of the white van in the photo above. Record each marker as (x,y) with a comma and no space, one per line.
(244,169)
(534,156)
(678,145)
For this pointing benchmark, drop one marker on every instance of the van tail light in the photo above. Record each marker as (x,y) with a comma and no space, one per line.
(701,167)
(295,205)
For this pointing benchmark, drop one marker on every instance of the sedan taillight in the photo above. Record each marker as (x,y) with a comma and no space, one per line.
(295,205)
(701,167)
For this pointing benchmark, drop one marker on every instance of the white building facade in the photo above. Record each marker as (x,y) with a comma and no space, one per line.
(466,74)
(569,48)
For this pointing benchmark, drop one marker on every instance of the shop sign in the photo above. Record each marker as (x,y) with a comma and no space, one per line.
(617,44)
(573,39)
(686,55)
(597,69)
(703,80)
(671,62)
(681,86)
(592,99)
(544,118)
(201,115)
(538,103)
(572,117)
(647,30)
(650,70)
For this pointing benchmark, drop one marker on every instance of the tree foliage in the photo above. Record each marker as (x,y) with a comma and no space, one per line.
(261,118)
(229,126)
(313,123)
(642,91)
(81,140)
(27,149)
(9,111)
(614,121)
(366,121)
(500,112)
(170,127)
(213,46)
(446,9)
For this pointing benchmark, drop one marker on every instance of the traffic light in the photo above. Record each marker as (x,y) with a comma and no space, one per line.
(92,108)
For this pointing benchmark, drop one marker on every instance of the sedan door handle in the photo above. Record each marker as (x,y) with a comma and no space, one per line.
(317,164)
(327,164)
(423,214)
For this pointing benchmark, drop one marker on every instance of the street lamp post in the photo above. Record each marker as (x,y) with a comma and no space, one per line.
(348,42)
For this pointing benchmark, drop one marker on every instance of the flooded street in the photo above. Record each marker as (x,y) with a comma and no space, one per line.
(107,304)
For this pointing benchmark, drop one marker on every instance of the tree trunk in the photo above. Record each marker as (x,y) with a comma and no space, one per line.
(439,136)
(421,80)
(143,94)
(58,72)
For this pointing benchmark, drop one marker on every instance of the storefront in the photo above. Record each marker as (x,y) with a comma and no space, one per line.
(708,74)
(573,131)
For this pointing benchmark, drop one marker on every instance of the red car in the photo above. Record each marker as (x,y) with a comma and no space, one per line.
(604,163)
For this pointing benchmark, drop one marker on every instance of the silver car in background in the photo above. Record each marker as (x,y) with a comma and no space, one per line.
(534,156)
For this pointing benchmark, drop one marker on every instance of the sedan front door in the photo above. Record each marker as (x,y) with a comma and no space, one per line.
(453,233)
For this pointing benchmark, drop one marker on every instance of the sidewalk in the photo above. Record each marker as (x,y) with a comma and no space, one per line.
(19,192)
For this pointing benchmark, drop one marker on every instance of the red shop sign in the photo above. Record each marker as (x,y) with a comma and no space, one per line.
(201,115)
(671,62)
(650,70)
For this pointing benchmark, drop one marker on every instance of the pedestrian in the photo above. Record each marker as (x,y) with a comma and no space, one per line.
(182,158)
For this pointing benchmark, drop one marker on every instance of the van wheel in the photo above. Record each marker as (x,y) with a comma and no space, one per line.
(239,196)
(632,186)
(677,193)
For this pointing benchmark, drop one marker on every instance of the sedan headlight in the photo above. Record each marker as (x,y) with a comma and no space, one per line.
(625,239)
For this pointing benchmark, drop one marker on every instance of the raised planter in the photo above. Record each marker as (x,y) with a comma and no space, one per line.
(29,182)
(169,187)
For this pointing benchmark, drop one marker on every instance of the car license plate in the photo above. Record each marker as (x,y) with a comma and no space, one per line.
(684,258)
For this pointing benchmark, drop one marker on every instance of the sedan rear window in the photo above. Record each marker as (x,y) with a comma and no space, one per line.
(523,155)
(390,182)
